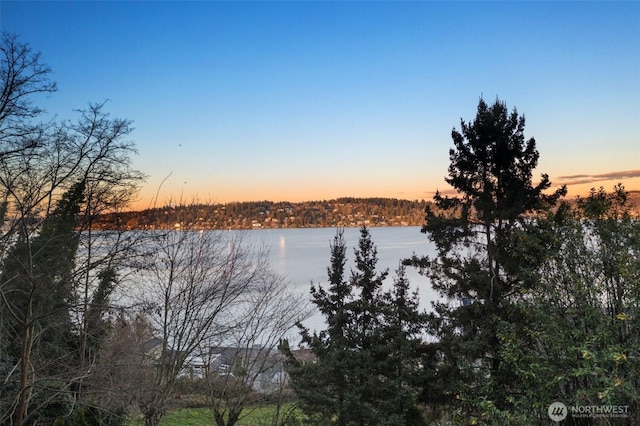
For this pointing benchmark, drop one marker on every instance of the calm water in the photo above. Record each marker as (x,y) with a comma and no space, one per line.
(303,255)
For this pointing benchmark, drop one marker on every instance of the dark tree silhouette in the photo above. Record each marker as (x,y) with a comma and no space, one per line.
(368,357)
(491,169)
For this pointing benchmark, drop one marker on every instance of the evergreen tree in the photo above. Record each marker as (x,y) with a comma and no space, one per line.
(367,357)
(476,268)
(401,352)
(322,386)
(37,280)
(96,323)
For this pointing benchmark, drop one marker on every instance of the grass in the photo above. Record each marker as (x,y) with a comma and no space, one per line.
(251,416)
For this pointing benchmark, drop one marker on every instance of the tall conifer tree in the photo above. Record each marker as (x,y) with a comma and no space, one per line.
(37,280)
(475,268)
(367,358)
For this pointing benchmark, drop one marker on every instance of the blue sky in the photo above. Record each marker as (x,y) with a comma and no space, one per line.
(314,100)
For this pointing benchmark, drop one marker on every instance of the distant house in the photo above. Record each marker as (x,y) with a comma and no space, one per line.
(259,367)
(263,369)
(152,349)
(195,367)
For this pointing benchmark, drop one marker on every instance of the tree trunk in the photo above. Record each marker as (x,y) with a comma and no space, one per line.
(152,418)
(234,415)
(218,418)
(25,362)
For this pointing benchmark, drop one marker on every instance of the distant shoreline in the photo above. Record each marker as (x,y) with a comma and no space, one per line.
(347,212)
(341,212)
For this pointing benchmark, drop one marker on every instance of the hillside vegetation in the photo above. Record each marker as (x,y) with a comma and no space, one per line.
(269,214)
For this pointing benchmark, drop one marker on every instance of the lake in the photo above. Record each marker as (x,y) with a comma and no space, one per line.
(303,255)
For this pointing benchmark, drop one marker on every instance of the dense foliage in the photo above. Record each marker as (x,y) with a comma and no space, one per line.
(537,301)
(577,339)
(367,367)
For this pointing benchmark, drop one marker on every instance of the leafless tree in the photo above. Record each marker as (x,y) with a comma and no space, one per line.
(40,165)
(252,362)
(192,282)
(22,75)
(111,184)
(125,365)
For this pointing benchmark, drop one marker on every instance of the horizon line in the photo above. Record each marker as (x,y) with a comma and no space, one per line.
(210,203)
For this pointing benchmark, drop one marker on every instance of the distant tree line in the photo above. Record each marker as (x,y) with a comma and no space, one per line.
(341,212)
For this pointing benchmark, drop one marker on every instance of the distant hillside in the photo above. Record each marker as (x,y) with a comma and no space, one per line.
(345,212)
(634,200)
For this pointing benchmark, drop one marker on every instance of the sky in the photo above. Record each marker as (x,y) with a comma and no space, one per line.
(298,101)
